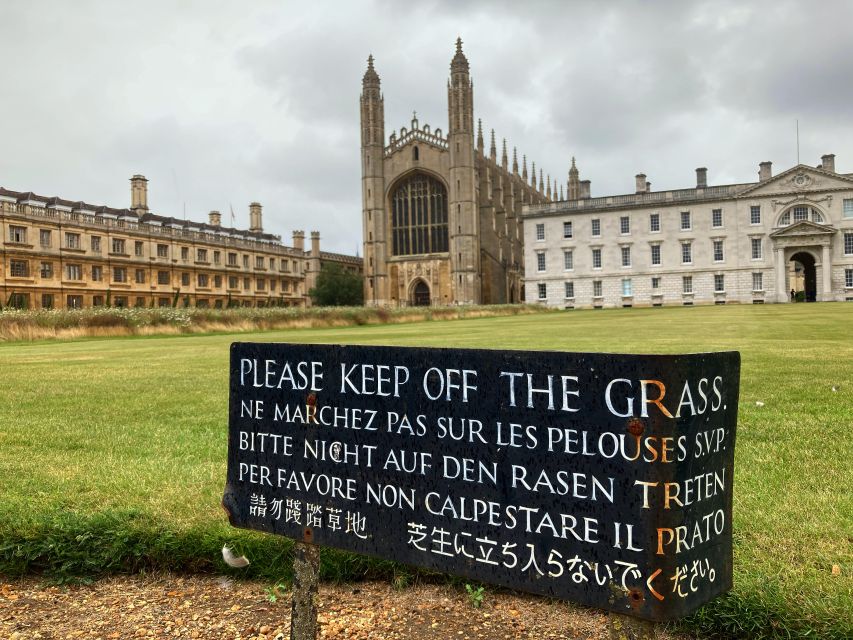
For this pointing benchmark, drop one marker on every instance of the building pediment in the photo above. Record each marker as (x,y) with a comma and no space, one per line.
(804,228)
(799,179)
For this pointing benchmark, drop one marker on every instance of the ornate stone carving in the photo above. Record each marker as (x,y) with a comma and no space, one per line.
(801,180)
(800,198)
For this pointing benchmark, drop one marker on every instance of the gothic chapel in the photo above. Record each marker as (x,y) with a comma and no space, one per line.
(442,218)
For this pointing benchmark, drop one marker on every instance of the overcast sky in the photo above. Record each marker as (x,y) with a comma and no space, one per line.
(222,103)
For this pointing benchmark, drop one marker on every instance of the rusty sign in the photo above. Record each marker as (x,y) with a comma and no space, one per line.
(603,479)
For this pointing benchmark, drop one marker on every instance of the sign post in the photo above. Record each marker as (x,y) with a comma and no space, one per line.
(602,479)
(306,578)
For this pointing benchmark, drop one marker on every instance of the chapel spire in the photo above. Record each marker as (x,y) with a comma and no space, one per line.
(459,64)
(371,78)
(372,107)
(460,95)
(574,185)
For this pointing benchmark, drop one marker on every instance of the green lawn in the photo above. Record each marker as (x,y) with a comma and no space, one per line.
(112,451)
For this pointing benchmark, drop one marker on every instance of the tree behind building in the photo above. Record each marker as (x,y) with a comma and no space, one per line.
(337,287)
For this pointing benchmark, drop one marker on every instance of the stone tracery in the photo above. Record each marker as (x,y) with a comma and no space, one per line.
(419,216)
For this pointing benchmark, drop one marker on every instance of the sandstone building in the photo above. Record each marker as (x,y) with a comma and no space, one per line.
(63,254)
(754,242)
(441,215)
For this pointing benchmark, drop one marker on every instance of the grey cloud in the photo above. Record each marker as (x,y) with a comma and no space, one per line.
(262,102)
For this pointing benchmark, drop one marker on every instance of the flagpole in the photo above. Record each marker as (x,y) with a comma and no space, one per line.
(798,140)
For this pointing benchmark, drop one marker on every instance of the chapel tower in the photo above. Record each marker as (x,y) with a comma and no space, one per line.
(373,188)
(463,215)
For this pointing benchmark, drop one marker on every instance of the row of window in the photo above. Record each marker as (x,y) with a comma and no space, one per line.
(796,214)
(655,254)
(119,246)
(654,223)
(48,301)
(686,285)
(21,268)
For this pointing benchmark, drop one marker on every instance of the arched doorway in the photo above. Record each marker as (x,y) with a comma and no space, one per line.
(420,294)
(804,276)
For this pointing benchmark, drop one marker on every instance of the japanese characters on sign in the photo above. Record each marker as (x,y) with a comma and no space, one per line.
(598,478)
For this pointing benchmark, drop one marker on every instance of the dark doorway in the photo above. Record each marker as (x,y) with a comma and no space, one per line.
(512,299)
(804,267)
(420,294)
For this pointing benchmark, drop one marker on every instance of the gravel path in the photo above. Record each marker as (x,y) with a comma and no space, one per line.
(175,606)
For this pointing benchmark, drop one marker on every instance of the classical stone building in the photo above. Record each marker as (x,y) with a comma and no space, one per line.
(63,254)
(754,242)
(441,216)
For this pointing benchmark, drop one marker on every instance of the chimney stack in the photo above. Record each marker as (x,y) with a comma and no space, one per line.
(139,194)
(765,171)
(315,244)
(215,218)
(641,182)
(827,162)
(255,221)
(584,191)
(701,178)
(299,240)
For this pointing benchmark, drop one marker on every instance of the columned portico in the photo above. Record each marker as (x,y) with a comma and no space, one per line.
(826,269)
(781,276)
(804,237)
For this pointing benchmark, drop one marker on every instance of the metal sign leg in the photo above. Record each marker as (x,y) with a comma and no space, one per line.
(306,578)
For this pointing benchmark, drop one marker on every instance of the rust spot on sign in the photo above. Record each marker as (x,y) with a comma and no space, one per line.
(635,597)
(308,534)
(311,409)
(636,427)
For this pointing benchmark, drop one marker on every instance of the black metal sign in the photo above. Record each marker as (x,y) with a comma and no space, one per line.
(598,478)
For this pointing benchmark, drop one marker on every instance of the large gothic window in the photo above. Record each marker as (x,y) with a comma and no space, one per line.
(419,216)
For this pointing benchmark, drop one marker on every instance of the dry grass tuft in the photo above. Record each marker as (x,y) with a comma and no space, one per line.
(23,326)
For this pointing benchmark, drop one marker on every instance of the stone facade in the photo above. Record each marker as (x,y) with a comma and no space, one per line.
(744,243)
(63,254)
(441,216)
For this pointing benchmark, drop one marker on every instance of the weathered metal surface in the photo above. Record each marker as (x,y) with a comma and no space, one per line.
(599,478)
(306,582)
